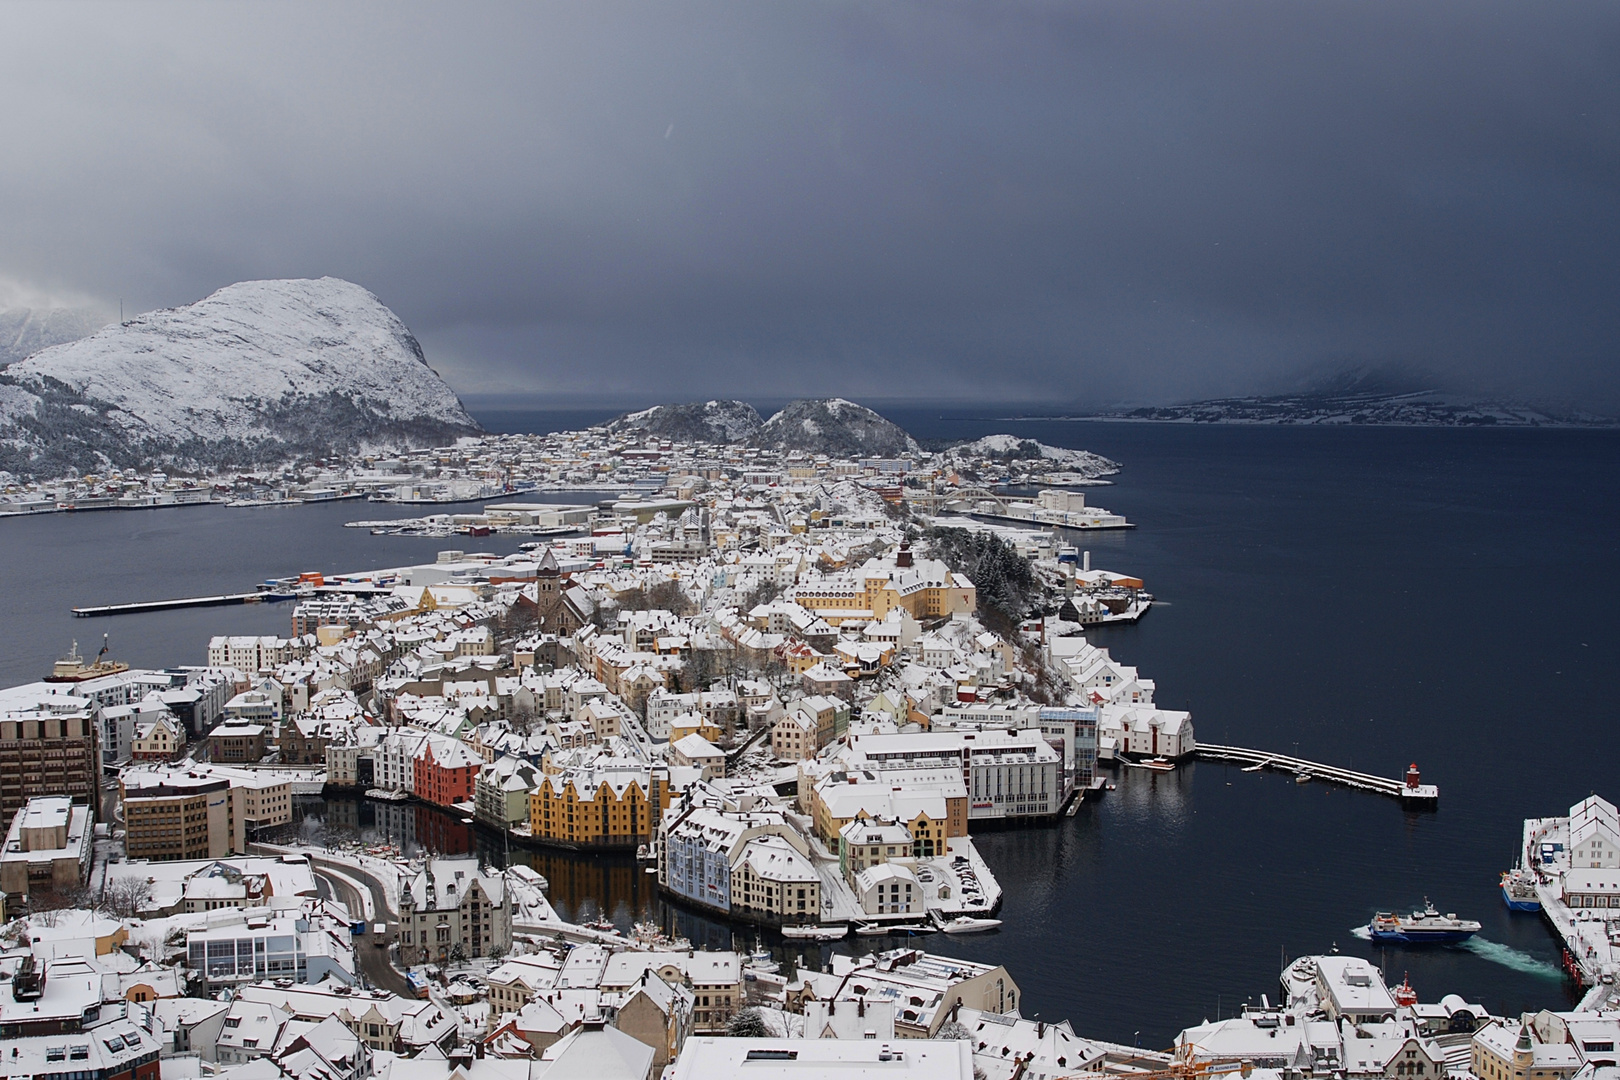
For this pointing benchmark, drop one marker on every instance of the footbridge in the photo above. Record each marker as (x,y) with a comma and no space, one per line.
(1410,790)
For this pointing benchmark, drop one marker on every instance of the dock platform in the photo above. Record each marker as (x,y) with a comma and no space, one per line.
(1409,791)
(221,600)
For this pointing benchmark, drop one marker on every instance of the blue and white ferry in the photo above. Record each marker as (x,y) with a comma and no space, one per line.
(1426,927)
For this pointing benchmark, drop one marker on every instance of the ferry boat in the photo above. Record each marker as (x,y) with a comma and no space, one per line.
(817,933)
(1426,927)
(72,668)
(1519,890)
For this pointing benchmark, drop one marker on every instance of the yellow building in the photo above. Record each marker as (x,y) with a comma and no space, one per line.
(693,724)
(925,588)
(599,808)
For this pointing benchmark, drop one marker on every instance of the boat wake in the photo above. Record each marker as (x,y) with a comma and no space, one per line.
(1361,933)
(1512,958)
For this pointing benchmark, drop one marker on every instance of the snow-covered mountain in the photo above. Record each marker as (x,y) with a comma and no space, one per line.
(695,421)
(834,426)
(258,372)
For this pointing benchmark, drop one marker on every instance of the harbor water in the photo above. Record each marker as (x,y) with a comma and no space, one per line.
(1366,597)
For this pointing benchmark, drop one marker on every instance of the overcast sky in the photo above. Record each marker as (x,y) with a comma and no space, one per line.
(1087,201)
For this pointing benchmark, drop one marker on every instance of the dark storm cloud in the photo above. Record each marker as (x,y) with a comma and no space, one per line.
(1083,201)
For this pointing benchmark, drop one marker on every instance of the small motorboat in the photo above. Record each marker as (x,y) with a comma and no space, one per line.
(967,924)
(762,961)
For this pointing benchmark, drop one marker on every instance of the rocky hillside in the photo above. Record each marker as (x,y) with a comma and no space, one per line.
(259,372)
(1032,455)
(834,426)
(695,421)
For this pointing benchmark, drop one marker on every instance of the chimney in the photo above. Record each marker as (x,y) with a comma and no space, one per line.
(860,1006)
(1086,566)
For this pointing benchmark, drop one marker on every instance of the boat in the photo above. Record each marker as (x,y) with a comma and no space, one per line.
(816,933)
(1159,764)
(643,853)
(1404,994)
(72,668)
(882,929)
(1519,890)
(967,924)
(391,796)
(762,961)
(604,926)
(1426,927)
(1303,778)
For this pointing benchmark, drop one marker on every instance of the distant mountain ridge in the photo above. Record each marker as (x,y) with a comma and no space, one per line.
(1413,409)
(25,331)
(256,373)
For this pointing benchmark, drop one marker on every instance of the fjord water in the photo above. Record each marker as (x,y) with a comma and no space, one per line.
(1363,596)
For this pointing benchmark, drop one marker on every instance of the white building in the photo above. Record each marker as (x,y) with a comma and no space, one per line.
(1594,835)
(888,889)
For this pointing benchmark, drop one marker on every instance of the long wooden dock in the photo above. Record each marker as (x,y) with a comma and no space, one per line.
(1408,791)
(163,605)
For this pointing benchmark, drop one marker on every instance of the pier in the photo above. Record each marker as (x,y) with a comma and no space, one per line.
(1409,791)
(222,600)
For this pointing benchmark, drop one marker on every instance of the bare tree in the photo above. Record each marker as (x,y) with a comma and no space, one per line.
(125,896)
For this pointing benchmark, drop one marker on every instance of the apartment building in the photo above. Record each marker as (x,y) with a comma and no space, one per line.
(451,909)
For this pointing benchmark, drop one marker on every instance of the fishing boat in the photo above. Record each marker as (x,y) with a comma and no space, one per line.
(1426,927)
(1519,890)
(967,924)
(1404,994)
(762,961)
(816,933)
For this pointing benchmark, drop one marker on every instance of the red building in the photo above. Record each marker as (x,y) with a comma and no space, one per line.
(445,770)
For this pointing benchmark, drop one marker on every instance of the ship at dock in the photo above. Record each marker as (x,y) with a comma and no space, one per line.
(1425,927)
(1519,890)
(72,667)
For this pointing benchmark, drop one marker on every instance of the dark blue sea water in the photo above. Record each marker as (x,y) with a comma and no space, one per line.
(1365,596)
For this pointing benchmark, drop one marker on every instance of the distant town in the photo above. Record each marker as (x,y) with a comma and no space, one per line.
(791,685)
